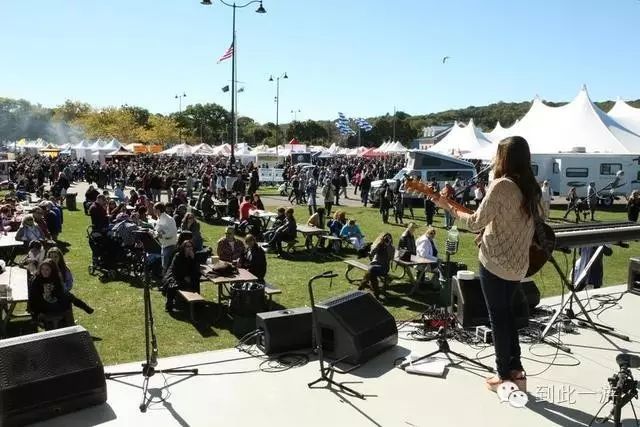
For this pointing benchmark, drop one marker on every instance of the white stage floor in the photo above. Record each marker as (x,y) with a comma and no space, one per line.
(232,391)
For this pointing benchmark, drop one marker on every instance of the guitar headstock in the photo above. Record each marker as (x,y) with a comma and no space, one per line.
(419,187)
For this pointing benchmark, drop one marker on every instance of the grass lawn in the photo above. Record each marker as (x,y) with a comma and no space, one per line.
(117,323)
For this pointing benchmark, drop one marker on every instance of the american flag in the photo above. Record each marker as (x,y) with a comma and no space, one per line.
(228,54)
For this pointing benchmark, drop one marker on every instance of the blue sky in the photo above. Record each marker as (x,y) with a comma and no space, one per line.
(357,56)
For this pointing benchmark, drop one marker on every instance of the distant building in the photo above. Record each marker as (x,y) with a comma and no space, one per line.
(430,136)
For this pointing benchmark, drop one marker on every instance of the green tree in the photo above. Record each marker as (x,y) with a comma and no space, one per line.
(160,130)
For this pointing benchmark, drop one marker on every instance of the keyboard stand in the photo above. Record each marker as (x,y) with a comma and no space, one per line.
(573,297)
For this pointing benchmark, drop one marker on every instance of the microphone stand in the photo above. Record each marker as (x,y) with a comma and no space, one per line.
(441,339)
(326,373)
(151,348)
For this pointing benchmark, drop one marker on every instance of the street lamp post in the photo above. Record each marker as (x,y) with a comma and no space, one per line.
(277,79)
(260,9)
(295,114)
(179,98)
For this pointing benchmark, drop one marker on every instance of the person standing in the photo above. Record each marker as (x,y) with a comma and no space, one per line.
(448,193)
(398,207)
(507,217)
(478,193)
(328,195)
(546,198)
(365,187)
(592,199)
(311,195)
(633,206)
(573,204)
(167,233)
(343,185)
(385,201)
(429,210)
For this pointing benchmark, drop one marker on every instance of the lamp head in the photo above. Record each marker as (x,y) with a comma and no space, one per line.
(261,9)
(206,2)
(270,78)
(285,76)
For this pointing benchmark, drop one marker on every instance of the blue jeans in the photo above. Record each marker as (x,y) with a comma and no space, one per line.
(167,254)
(448,219)
(498,295)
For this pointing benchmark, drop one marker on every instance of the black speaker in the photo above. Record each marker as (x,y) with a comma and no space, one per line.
(47,374)
(633,281)
(470,307)
(355,327)
(284,330)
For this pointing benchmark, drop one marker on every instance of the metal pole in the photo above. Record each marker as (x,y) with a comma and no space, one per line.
(394,123)
(232,158)
(277,109)
(180,115)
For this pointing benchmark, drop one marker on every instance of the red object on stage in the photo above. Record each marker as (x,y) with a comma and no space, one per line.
(294,141)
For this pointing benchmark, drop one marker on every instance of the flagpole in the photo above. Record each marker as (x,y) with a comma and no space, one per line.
(232,158)
(235,77)
(394,123)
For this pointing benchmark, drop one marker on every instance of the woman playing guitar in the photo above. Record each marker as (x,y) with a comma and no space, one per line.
(507,215)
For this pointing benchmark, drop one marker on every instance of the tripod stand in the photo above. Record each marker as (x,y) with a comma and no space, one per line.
(151,349)
(441,339)
(326,373)
(573,297)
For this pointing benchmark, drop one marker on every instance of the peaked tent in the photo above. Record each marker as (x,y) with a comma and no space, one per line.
(627,116)
(579,123)
(203,150)
(121,152)
(177,150)
(461,140)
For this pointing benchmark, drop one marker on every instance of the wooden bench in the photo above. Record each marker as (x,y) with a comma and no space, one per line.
(353,264)
(290,246)
(191,298)
(230,220)
(269,291)
(334,241)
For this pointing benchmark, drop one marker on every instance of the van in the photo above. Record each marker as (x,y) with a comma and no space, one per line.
(426,165)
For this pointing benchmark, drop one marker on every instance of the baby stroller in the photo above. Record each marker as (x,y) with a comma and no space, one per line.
(111,257)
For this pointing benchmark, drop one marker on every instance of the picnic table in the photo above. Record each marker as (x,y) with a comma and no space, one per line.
(420,264)
(16,278)
(8,245)
(309,231)
(264,216)
(224,284)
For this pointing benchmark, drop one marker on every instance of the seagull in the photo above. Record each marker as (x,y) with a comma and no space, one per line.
(445,59)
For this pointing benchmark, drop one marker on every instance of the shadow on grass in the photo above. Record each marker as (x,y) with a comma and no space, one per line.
(205,317)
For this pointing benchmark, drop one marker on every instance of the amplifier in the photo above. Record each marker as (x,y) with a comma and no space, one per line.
(355,327)
(47,374)
(284,330)
(470,308)
(633,281)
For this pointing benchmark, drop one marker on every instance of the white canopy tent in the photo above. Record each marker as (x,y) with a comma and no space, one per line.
(629,118)
(462,140)
(203,150)
(396,148)
(579,123)
(178,150)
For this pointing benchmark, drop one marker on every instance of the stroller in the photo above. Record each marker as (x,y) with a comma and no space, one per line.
(111,257)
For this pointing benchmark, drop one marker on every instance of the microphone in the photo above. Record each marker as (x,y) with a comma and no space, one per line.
(625,360)
(451,246)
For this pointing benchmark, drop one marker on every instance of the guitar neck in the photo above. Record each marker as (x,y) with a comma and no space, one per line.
(422,188)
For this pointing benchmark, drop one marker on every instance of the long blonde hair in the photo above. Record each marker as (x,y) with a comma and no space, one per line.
(380,239)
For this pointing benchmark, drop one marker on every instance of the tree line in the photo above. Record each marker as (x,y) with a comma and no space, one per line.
(210,124)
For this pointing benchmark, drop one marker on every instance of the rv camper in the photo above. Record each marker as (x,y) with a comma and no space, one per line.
(616,174)
(426,165)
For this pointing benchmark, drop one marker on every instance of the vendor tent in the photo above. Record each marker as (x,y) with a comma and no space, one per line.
(628,117)
(461,140)
(203,150)
(121,152)
(178,150)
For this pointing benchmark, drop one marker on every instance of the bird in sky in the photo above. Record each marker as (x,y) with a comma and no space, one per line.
(445,59)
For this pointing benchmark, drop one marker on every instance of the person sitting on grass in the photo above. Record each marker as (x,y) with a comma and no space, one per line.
(229,247)
(183,274)
(352,233)
(48,299)
(254,258)
(55,255)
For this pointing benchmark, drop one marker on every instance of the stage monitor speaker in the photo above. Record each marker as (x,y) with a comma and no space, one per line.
(633,281)
(284,330)
(355,327)
(47,374)
(470,308)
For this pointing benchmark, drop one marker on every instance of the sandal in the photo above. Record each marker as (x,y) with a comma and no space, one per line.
(519,378)
(493,383)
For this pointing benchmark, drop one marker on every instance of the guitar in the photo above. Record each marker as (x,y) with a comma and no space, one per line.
(544,239)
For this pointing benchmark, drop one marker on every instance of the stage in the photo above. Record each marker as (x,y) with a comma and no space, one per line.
(231,390)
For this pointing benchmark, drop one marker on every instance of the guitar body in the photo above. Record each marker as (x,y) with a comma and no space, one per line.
(544,239)
(544,242)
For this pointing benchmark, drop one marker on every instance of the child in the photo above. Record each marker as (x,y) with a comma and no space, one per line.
(34,257)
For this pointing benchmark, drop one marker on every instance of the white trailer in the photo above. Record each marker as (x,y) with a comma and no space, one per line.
(617,174)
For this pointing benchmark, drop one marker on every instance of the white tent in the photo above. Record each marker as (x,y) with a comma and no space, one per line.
(111,146)
(579,123)
(629,118)
(222,150)
(178,150)
(396,148)
(203,150)
(462,140)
